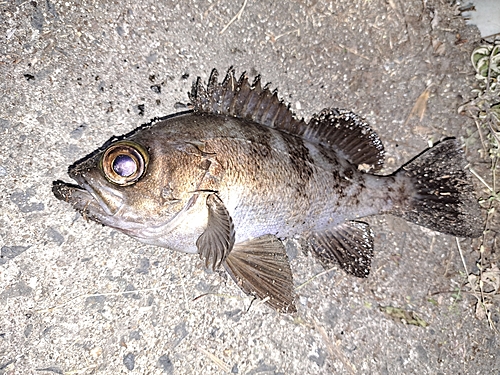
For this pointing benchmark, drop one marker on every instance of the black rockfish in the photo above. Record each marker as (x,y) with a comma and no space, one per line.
(238,173)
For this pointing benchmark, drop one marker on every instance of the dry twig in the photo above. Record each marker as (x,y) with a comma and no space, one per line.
(236,17)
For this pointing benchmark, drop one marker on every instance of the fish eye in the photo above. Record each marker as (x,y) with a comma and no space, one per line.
(124,165)
(125,162)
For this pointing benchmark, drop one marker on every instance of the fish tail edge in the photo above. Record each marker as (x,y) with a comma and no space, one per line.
(442,194)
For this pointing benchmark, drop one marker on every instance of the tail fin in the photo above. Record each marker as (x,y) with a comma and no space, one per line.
(443,195)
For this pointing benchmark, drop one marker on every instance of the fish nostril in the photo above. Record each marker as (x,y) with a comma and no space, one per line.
(72,170)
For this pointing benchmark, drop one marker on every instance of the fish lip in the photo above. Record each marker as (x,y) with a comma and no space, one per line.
(82,194)
(78,197)
(64,191)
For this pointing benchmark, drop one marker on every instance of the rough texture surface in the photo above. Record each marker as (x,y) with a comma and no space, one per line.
(76,297)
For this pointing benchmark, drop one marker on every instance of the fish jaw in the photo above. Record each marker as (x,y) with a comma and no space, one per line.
(92,206)
(81,200)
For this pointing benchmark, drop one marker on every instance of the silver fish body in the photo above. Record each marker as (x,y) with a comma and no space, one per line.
(233,177)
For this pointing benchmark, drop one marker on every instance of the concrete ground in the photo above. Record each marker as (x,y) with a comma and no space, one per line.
(79,298)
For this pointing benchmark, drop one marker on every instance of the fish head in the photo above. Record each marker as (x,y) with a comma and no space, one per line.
(140,185)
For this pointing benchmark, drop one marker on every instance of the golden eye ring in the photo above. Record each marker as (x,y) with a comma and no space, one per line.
(124,162)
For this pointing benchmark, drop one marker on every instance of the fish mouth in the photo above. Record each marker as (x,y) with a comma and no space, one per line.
(98,203)
(78,197)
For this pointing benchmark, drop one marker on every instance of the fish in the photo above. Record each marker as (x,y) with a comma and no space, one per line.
(238,172)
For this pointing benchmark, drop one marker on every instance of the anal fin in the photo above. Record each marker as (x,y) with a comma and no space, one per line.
(350,244)
(260,268)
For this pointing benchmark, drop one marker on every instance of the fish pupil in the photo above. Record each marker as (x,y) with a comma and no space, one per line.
(124,165)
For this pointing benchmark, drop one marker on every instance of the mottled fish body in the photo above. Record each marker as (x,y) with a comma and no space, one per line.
(237,174)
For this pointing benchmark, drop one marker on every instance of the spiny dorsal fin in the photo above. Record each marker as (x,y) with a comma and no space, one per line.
(239,98)
(341,130)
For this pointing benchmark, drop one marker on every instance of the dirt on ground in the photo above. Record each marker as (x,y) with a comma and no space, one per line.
(79,298)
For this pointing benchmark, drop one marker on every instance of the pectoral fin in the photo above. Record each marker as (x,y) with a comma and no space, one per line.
(260,268)
(217,240)
(350,243)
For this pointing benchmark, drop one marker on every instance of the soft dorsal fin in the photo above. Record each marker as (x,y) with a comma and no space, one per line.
(348,134)
(340,130)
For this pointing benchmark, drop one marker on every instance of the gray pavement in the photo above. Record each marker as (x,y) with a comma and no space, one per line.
(79,298)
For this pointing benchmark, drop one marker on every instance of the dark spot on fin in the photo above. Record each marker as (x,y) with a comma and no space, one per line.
(350,244)
(339,129)
(349,135)
(217,240)
(260,268)
(442,195)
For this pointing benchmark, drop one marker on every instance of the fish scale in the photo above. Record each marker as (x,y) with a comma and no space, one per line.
(297,198)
